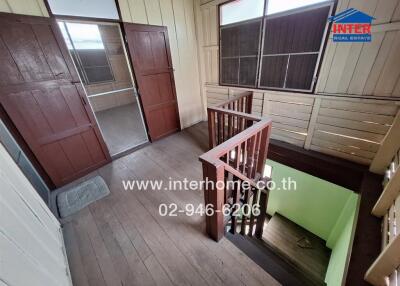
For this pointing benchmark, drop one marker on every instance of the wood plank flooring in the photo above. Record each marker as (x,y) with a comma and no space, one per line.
(122,239)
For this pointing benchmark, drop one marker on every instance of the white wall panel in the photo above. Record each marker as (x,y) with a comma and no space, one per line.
(30,236)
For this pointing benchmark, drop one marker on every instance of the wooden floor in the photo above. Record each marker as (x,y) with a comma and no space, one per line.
(122,239)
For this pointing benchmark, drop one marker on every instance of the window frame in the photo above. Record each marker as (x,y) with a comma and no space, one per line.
(258,56)
(321,51)
(78,63)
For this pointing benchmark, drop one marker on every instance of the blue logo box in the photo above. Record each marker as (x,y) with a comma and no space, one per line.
(360,38)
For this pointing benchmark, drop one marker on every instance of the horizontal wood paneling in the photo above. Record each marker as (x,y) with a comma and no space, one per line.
(369,69)
(348,126)
(290,114)
(178,17)
(352,130)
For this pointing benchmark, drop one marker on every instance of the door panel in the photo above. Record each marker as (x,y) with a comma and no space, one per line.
(44,99)
(156,89)
(149,50)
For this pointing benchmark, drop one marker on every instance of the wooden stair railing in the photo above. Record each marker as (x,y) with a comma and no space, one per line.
(223,125)
(240,157)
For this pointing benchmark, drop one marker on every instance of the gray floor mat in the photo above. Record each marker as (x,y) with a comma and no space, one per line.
(82,195)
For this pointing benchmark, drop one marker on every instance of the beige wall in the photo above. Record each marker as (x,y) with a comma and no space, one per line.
(344,118)
(26,7)
(178,16)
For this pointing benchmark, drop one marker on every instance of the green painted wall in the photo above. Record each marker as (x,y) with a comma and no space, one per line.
(316,204)
(323,208)
(340,243)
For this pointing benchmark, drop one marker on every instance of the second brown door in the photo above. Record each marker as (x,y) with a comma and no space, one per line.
(151,58)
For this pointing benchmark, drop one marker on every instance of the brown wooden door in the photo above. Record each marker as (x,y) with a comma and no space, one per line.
(151,58)
(41,93)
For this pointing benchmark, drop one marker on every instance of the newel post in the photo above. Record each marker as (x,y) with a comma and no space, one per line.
(214,196)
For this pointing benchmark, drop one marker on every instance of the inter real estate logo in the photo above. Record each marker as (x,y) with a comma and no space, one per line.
(351,25)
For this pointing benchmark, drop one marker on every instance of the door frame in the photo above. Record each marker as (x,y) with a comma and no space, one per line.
(152,28)
(75,80)
(53,18)
(98,21)
(121,24)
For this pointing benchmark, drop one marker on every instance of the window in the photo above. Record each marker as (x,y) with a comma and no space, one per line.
(106,9)
(87,49)
(278,50)
(241,10)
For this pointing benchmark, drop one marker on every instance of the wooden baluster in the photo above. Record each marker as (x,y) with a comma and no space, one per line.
(244,152)
(249,103)
(263,201)
(220,135)
(263,150)
(256,154)
(214,196)
(230,126)
(242,104)
(251,162)
(236,198)
(235,119)
(239,127)
(223,128)
(211,129)
(252,216)
(227,192)
(237,157)
(244,217)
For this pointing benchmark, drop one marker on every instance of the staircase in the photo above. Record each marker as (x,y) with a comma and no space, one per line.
(238,144)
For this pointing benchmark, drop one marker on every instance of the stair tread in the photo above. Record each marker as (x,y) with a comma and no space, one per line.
(284,237)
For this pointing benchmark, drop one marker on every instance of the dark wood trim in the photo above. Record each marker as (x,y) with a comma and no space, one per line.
(367,238)
(335,170)
(118,10)
(86,19)
(46,3)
